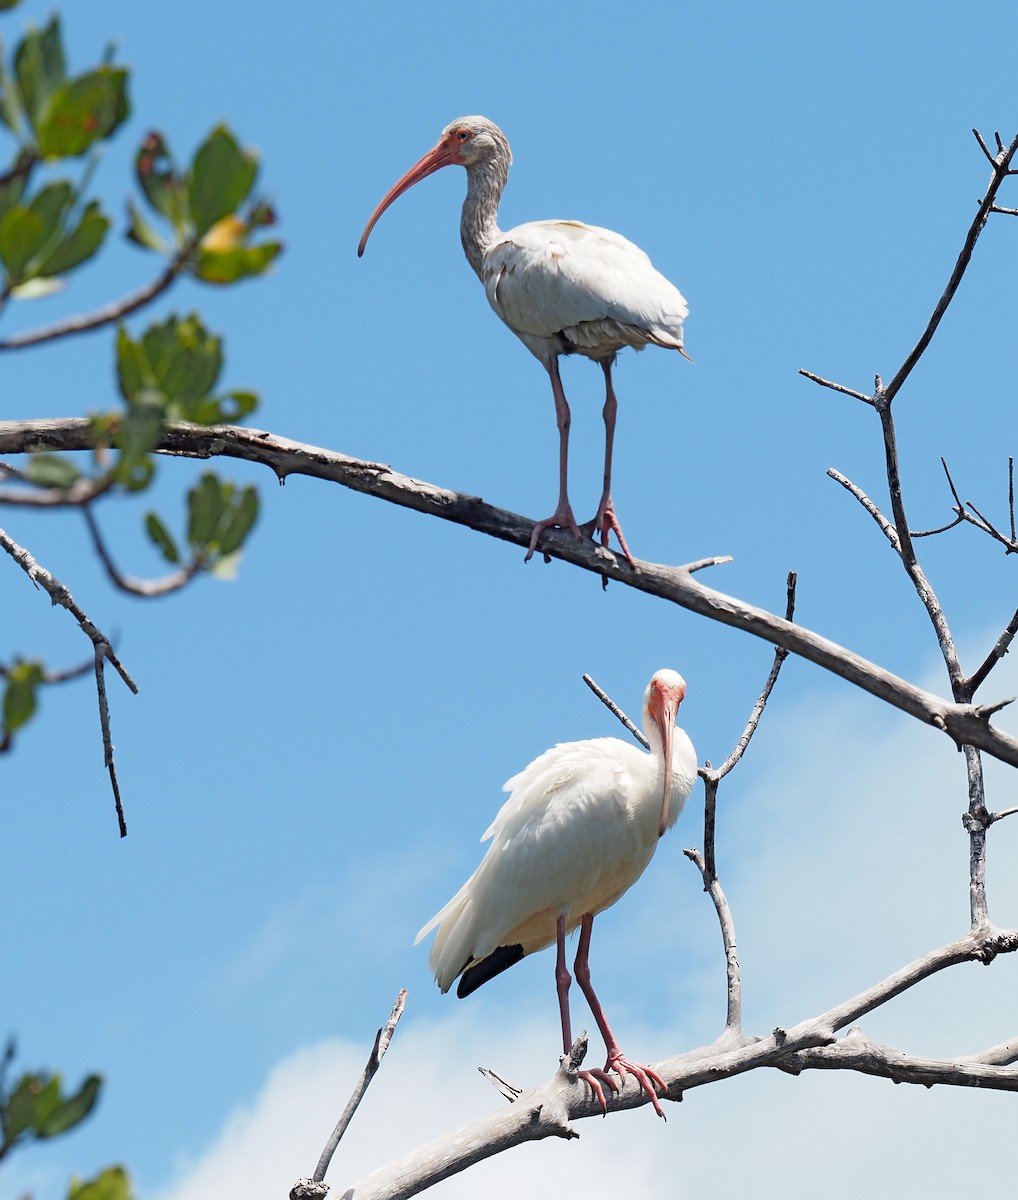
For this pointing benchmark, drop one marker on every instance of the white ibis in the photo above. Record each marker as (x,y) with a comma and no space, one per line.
(561,286)
(578,830)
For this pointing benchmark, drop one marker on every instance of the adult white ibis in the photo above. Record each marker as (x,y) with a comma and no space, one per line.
(578,830)
(561,286)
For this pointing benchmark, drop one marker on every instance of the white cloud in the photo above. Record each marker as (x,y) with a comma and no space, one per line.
(843,856)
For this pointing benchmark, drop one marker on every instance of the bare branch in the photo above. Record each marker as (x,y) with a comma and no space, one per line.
(59,594)
(382,1039)
(780,654)
(613,708)
(1001,163)
(837,387)
(147,588)
(886,527)
(548,1111)
(1001,647)
(855,1052)
(103,316)
(712,886)
(986,149)
(674,584)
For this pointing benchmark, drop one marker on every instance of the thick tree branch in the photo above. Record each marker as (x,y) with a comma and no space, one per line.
(855,1052)
(964,723)
(548,1111)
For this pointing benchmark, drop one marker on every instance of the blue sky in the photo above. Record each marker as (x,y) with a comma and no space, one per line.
(317,747)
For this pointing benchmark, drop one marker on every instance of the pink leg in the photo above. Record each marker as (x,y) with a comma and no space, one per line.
(606,521)
(562,981)
(617,1062)
(562,517)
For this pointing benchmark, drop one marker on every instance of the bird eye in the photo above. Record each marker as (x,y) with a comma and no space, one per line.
(463,135)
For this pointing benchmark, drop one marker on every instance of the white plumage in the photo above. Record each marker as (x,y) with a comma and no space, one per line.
(580,826)
(561,286)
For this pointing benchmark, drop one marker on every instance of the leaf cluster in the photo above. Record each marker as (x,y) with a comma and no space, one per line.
(52,115)
(36,1108)
(209,228)
(206,221)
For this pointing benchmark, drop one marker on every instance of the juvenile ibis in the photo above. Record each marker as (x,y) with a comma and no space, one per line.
(561,286)
(580,826)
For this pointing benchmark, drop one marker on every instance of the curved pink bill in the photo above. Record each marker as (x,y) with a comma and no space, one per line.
(442,155)
(670,702)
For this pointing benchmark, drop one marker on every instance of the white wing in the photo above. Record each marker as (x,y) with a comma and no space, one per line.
(571,838)
(590,286)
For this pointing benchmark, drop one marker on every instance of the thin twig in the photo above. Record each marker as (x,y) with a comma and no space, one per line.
(711,885)
(612,707)
(921,533)
(885,525)
(837,387)
(1001,163)
(780,654)
(1001,647)
(712,778)
(382,1039)
(103,316)
(147,588)
(60,594)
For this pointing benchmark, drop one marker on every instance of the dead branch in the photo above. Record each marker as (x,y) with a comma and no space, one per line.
(855,1052)
(675,584)
(60,594)
(548,1111)
(382,1039)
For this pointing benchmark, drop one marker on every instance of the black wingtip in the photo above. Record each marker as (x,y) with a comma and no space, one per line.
(499,960)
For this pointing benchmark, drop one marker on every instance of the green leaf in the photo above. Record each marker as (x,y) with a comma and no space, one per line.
(141,232)
(72,1110)
(227,266)
(133,371)
(79,245)
(12,190)
(160,181)
(223,410)
(221,178)
(52,470)
(159,534)
(138,433)
(186,359)
(33,1094)
(6,4)
(112,1184)
(83,111)
(206,503)
(22,235)
(239,521)
(39,68)
(51,204)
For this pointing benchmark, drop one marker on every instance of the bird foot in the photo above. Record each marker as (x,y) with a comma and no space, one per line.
(561,518)
(647,1077)
(595,1078)
(606,523)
